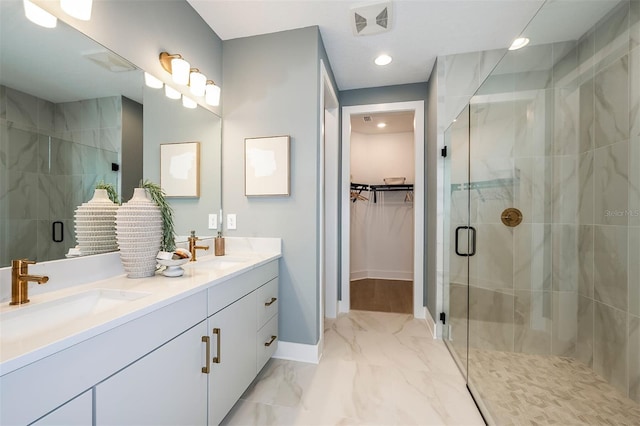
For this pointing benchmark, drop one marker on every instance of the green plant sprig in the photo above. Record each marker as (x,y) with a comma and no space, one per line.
(111,191)
(159,197)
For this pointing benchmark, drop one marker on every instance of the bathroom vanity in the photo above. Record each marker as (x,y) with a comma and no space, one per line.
(159,351)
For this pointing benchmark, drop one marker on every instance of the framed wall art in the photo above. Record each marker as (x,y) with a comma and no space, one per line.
(267,166)
(180,169)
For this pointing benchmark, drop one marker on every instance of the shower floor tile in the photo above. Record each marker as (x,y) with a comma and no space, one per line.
(521,389)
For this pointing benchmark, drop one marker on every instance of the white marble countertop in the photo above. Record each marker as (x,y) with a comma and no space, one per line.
(162,291)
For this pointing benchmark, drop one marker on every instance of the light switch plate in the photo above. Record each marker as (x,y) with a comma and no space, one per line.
(231,221)
(213,221)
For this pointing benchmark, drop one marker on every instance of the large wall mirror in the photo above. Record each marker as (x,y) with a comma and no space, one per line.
(73,114)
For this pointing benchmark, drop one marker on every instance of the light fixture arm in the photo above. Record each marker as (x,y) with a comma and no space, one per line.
(165,60)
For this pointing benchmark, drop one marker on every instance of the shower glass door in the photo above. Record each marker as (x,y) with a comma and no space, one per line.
(457,239)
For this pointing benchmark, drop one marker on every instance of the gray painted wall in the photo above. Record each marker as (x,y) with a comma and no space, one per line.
(167,121)
(139,30)
(272,88)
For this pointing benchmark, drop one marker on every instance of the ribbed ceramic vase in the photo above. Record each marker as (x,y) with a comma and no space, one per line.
(95,224)
(139,234)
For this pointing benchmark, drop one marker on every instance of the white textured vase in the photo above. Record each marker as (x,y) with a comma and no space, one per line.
(139,234)
(95,224)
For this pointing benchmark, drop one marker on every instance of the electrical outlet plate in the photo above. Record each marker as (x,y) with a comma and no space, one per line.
(231,221)
(213,221)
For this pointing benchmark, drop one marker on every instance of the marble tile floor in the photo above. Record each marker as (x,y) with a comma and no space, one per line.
(377,369)
(521,389)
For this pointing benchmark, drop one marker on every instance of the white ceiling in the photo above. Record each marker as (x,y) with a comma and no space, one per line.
(421,30)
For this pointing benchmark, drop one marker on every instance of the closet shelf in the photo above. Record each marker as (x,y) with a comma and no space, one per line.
(357,188)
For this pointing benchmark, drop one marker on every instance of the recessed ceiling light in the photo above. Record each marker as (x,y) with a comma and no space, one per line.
(382,125)
(383,60)
(519,43)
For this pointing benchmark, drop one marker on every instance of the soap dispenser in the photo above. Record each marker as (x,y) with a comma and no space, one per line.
(219,244)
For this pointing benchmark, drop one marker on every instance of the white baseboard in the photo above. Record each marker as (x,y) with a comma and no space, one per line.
(433,328)
(298,352)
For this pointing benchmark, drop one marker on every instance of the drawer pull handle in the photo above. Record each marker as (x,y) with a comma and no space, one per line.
(206,340)
(217,359)
(273,338)
(273,299)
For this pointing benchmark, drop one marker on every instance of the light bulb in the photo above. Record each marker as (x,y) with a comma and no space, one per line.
(152,82)
(212,94)
(171,93)
(39,16)
(383,60)
(519,43)
(180,71)
(197,82)
(188,102)
(79,9)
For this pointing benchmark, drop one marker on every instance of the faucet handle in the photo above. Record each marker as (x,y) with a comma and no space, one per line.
(28,262)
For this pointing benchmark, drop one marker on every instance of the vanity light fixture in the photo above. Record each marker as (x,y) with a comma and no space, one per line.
(175,65)
(383,60)
(197,82)
(152,82)
(171,93)
(212,93)
(79,9)
(519,43)
(188,102)
(39,16)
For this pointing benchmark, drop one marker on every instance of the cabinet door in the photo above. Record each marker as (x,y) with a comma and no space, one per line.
(234,364)
(78,411)
(165,387)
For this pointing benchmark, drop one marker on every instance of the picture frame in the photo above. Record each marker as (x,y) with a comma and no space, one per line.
(267,166)
(180,169)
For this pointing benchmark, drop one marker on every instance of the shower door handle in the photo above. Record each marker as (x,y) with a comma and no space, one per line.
(473,241)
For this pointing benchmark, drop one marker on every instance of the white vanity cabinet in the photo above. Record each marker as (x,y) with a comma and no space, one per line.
(77,412)
(166,387)
(237,309)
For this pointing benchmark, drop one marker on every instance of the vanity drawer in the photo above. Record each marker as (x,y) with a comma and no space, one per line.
(266,342)
(266,302)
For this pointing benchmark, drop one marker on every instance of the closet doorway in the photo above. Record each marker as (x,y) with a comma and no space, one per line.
(382,209)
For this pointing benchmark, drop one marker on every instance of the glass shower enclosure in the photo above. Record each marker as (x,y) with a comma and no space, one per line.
(542,186)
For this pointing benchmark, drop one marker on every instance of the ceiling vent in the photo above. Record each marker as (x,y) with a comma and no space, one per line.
(371,19)
(367,118)
(110,61)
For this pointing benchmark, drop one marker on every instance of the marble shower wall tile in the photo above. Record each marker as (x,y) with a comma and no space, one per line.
(584,345)
(634,358)
(634,270)
(566,260)
(566,121)
(611,184)
(532,257)
(492,328)
(610,345)
(492,266)
(565,195)
(22,192)
(532,322)
(3,102)
(22,150)
(564,331)
(586,193)
(610,265)
(49,250)
(634,24)
(532,187)
(23,234)
(586,260)
(22,109)
(612,103)
(634,90)
(587,116)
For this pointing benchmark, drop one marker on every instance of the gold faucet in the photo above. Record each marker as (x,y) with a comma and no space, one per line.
(193,247)
(19,279)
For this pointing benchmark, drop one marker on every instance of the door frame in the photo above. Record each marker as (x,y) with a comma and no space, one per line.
(419,310)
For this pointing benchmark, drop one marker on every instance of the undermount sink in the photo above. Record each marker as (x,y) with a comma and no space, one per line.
(225,262)
(36,318)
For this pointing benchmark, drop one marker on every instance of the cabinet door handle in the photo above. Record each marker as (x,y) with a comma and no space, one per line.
(273,299)
(206,340)
(273,338)
(217,358)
